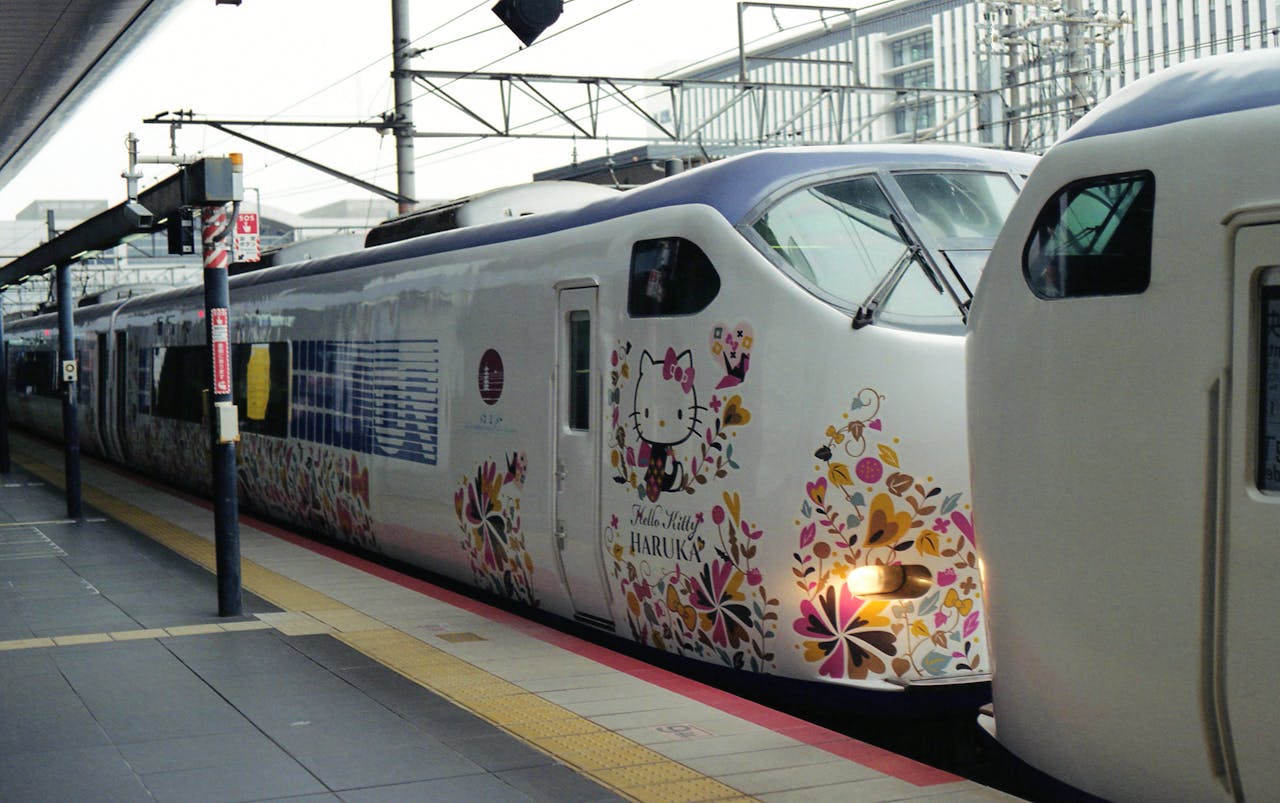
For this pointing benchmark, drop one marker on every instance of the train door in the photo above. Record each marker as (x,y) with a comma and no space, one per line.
(104,385)
(577,456)
(119,367)
(1252,595)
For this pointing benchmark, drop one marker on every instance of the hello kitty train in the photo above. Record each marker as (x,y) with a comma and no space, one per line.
(721,415)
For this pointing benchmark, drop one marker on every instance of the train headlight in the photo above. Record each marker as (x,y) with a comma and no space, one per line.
(890,582)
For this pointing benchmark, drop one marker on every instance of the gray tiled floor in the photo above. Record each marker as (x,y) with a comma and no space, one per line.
(250,715)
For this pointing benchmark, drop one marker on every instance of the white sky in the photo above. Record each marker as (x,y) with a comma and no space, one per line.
(330,60)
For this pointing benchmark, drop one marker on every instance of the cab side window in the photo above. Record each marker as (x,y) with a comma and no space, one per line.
(1093,238)
(670,276)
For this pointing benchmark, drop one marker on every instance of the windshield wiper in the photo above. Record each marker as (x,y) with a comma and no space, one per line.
(913,252)
(866,312)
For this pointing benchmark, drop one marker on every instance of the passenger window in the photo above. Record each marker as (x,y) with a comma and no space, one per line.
(1093,238)
(836,237)
(179,376)
(260,387)
(580,370)
(670,276)
(36,372)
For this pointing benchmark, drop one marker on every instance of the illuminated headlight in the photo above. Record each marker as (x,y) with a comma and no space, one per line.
(889,582)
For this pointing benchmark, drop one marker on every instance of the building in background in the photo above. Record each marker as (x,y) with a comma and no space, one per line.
(1013,74)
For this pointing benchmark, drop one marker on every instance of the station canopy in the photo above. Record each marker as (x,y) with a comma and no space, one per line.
(52,55)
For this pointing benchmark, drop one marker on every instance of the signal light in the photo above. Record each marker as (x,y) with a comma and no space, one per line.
(182,232)
(528,18)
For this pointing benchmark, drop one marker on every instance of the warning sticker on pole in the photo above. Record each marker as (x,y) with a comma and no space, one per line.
(218,340)
(246,246)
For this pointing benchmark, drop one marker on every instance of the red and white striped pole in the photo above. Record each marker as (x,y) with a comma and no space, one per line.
(216,224)
(223,418)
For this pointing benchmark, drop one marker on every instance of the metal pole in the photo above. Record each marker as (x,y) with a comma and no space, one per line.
(5,465)
(1077,62)
(67,377)
(223,429)
(403,124)
(67,367)
(1013,130)
(853,47)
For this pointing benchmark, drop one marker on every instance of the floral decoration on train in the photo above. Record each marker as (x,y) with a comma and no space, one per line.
(488,508)
(177,450)
(864,510)
(661,445)
(318,488)
(718,609)
(321,488)
(673,420)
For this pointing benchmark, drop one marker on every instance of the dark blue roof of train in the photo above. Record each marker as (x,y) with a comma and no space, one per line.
(732,187)
(1202,88)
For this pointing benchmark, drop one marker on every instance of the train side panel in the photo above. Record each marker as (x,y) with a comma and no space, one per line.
(652,417)
(1100,432)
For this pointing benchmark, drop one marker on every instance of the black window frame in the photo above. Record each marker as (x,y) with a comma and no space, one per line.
(35,371)
(275,422)
(670,277)
(178,392)
(578,323)
(1108,273)
(179,382)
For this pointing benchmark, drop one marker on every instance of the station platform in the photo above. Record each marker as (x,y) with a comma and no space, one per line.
(345,680)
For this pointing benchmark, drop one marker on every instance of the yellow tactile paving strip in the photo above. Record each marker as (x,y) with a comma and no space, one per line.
(130,635)
(615,761)
(628,768)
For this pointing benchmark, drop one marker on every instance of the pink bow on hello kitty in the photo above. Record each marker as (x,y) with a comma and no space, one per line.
(671,369)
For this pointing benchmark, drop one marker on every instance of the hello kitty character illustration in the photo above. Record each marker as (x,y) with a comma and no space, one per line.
(665,414)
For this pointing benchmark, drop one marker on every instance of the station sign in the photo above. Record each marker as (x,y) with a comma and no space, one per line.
(246,245)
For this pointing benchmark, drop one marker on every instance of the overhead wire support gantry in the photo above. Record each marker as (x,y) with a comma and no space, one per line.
(687,124)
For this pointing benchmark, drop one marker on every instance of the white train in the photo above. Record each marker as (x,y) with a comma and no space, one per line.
(651,414)
(1124,420)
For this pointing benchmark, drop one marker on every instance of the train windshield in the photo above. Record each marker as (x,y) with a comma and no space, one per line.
(838,238)
(957,204)
(967,266)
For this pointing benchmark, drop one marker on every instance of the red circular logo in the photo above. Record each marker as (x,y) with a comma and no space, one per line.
(490,377)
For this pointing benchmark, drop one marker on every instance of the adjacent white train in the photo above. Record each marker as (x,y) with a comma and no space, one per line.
(721,415)
(1124,420)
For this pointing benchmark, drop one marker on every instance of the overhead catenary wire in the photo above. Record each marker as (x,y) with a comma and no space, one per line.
(492,62)
(958,128)
(340,131)
(381,58)
(486,143)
